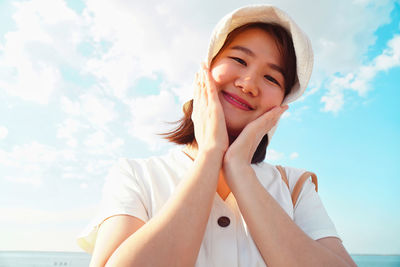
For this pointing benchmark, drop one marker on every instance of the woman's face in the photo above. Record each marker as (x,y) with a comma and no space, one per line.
(248,75)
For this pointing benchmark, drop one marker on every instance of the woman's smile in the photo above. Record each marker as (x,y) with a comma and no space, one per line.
(236,101)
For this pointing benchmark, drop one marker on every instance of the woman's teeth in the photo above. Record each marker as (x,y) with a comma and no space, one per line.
(240,103)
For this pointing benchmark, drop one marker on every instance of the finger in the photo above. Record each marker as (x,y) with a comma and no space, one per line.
(268,120)
(196,85)
(200,102)
(197,92)
(205,84)
(212,89)
(277,111)
(284,108)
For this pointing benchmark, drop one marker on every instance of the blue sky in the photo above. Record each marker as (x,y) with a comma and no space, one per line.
(85,82)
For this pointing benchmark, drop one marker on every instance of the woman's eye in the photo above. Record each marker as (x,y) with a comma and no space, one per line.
(270,78)
(241,61)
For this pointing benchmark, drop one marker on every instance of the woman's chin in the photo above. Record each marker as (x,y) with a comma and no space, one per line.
(234,130)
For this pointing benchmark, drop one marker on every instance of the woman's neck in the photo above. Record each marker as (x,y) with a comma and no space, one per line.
(191,150)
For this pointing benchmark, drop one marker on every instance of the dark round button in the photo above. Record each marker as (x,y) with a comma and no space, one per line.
(224,221)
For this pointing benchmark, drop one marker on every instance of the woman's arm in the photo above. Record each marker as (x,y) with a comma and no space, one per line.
(112,232)
(280,241)
(173,237)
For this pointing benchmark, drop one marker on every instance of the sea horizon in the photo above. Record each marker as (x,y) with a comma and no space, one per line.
(73,251)
(34,258)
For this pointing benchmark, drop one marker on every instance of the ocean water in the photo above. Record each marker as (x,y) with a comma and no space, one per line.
(80,259)
(377,260)
(43,259)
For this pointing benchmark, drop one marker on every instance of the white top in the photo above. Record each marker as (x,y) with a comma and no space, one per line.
(141,187)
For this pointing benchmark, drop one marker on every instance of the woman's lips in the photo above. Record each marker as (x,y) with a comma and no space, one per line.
(237,101)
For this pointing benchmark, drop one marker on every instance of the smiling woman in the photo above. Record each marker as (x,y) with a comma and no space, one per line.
(215,201)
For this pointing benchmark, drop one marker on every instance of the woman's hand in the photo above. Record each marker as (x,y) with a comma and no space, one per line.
(208,116)
(241,151)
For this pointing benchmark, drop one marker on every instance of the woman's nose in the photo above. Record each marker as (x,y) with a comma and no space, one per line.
(247,84)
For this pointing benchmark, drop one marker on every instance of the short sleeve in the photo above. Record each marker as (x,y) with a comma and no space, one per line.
(310,214)
(122,193)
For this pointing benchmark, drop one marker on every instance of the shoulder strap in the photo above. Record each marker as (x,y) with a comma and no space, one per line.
(300,182)
(283,175)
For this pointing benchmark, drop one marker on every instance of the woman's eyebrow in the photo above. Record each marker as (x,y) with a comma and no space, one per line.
(251,54)
(244,50)
(277,68)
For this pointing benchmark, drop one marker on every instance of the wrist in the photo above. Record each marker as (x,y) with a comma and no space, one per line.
(235,166)
(215,153)
(236,158)
(194,152)
(234,174)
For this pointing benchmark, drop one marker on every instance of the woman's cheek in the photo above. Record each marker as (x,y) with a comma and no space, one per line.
(221,73)
(271,97)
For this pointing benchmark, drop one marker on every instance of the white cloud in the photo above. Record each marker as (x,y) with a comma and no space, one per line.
(42,230)
(70,107)
(99,167)
(39,238)
(334,100)
(390,57)
(92,165)
(144,40)
(274,155)
(359,81)
(98,143)
(296,114)
(29,216)
(29,163)
(150,114)
(33,179)
(3,132)
(67,130)
(341,39)
(310,92)
(345,32)
(30,153)
(98,111)
(294,155)
(96,139)
(32,83)
(45,36)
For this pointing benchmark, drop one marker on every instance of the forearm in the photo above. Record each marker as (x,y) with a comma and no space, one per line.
(280,241)
(173,237)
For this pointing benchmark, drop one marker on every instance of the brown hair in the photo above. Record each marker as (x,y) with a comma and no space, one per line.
(183,134)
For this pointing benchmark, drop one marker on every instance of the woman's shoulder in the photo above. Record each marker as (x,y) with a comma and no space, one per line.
(137,166)
(292,173)
(129,162)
